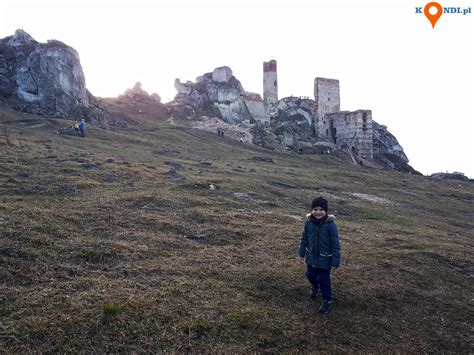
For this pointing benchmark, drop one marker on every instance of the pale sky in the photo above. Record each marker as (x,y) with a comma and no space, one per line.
(417,80)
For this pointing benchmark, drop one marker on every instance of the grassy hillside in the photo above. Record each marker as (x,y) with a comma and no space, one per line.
(116,243)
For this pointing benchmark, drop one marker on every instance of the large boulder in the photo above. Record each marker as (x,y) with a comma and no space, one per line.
(222,75)
(45,79)
(220,85)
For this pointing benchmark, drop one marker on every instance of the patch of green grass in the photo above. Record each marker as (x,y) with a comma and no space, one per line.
(112,309)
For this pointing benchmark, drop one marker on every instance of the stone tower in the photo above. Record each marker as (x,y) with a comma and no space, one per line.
(270,84)
(326,95)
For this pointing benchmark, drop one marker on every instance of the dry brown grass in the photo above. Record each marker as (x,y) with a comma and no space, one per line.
(103,249)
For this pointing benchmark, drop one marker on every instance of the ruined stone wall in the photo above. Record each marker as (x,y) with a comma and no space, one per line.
(270,83)
(327,98)
(352,129)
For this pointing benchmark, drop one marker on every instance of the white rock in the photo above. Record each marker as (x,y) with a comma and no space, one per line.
(222,74)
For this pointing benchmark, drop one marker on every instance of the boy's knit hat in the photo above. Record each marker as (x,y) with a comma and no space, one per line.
(320,202)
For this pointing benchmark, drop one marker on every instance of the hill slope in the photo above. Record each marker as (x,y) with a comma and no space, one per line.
(116,243)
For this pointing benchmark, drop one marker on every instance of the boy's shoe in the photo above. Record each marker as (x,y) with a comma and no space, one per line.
(325,307)
(313,293)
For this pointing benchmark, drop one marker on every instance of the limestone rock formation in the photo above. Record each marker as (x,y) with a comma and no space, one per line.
(293,121)
(234,112)
(222,75)
(21,38)
(387,150)
(265,138)
(386,143)
(138,94)
(46,78)
(218,93)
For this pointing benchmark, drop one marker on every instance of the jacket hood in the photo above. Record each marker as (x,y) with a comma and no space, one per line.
(331,217)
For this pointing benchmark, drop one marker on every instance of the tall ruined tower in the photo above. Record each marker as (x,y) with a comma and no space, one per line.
(270,84)
(327,97)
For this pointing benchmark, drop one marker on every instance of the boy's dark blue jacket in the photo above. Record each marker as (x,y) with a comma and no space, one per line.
(320,244)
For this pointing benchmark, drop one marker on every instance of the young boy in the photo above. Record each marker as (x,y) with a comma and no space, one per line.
(320,245)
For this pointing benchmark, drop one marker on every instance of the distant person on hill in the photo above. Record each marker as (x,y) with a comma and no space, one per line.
(319,247)
(82,128)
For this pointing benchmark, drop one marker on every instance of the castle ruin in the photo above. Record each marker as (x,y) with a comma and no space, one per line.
(352,130)
(344,129)
(297,122)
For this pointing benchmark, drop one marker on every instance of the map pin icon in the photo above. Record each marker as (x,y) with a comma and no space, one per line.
(433,18)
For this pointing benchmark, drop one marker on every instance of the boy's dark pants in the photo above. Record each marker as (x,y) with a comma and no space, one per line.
(320,278)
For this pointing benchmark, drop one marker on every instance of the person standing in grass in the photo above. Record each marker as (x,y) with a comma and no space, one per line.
(82,128)
(320,248)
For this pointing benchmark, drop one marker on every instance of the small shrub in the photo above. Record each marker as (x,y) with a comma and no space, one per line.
(112,309)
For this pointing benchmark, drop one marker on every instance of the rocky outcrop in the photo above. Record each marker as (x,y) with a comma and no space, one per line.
(137,94)
(456,175)
(386,143)
(293,121)
(295,106)
(47,78)
(222,75)
(388,151)
(44,79)
(217,93)
(234,112)
(264,138)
